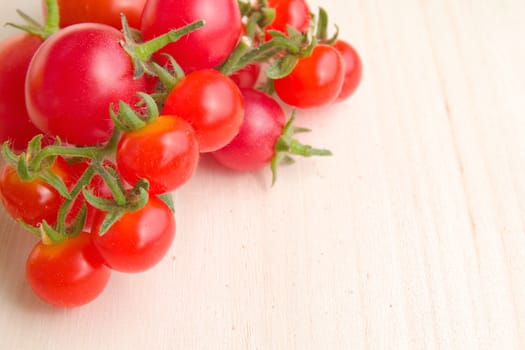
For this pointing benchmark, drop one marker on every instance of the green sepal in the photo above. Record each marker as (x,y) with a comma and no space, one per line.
(169,77)
(48,232)
(34,27)
(152,110)
(322,24)
(286,146)
(22,168)
(167,198)
(31,229)
(77,226)
(110,219)
(10,157)
(138,196)
(281,67)
(103,204)
(56,182)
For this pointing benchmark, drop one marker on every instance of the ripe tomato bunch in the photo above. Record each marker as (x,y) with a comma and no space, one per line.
(106,109)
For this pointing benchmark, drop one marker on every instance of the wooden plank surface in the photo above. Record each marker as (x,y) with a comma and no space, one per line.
(412,236)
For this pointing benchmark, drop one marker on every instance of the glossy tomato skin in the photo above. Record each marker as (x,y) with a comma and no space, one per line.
(15,55)
(139,240)
(246,77)
(254,146)
(73,78)
(208,46)
(165,152)
(353,69)
(315,81)
(34,201)
(295,13)
(67,274)
(212,104)
(100,11)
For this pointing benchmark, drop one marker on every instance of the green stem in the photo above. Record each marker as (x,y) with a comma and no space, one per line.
(228,67)
(306,150)
(53,18)
(84,180)
(116,189)
(144,51)
(53,151)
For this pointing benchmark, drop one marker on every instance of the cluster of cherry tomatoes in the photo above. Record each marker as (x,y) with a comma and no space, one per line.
(106,109)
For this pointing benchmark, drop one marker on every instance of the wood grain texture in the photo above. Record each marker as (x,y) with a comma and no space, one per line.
(411,237)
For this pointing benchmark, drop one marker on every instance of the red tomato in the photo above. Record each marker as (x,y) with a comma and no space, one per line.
(211,103)
(290,12)
(15,55)
(353,69)
(67,274)
(74,77)
(33,201)
(139,240)
(254,146)
(246,77)
(165,152)
(208,46)
(315,81)
(100,11)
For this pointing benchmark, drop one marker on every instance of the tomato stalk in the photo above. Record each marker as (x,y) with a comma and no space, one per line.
(287,145)
(141,52)
(33,27)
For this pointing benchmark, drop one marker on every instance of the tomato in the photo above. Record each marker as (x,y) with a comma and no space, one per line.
(73,78)
(290,12)
(254,146)
(100,11)
(353,69)
(208,46)
(211,103)
(15,55)
(67,274)
(315,81)
(33,201)
(139,240)
(246,77)
(165,152)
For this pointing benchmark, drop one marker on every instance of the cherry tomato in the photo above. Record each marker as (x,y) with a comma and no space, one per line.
(73,78)
(353,69)
(290,12)
(315,81)
(67,274)
(139,240)
(33,201)
(246,77)
(254,146)
(208,46)
(15,55)
(165,152)
(211,103)
(100,11)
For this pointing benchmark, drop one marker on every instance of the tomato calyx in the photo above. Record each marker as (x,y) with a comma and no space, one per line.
(142,52)
(322,29)
(33,27)
(127,119)
(133,200)
(287,145)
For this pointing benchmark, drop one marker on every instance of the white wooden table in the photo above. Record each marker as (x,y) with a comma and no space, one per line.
(412,236)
